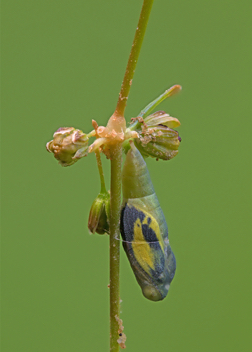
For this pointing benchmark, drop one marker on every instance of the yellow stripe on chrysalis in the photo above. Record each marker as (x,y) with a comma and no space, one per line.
(141,248)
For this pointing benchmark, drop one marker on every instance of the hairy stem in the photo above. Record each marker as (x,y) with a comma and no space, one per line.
(115,206)
(117,122)
(134,54)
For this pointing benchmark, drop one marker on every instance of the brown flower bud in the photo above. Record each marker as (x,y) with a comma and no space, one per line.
(68,145)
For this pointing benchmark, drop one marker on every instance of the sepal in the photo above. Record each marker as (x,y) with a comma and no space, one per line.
(161,118)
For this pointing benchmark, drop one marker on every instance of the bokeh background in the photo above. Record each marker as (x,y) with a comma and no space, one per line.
(62,65)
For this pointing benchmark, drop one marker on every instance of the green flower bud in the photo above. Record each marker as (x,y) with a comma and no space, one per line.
(98,220)
(159,142)
(68,145)
(156,138)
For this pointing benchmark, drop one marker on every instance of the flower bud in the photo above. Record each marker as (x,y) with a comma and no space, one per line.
(68,145)
(98,220)
(159,142)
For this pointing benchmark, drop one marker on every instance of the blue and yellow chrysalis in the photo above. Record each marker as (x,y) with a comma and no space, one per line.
(144,230)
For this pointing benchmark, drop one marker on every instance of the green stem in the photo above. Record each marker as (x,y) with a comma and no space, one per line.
(134,54)
(116,164)
(115,206)
(99,164)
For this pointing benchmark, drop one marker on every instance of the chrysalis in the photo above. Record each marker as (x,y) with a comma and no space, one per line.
(144,230)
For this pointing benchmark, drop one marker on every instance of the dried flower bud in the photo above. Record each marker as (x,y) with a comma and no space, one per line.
(98,220)
(159,142)
(68,145)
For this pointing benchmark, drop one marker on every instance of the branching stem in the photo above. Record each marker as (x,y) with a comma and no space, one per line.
(116,163)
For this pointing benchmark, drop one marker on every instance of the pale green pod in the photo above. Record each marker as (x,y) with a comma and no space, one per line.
(144,230)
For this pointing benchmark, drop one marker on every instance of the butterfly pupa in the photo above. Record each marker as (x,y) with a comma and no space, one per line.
(144,230)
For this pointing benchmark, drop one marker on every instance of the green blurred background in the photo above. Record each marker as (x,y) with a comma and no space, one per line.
(62,65)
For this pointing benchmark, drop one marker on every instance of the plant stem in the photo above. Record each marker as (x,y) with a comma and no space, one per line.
(115,206)
(116,164)
(99,164)
(134,54)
